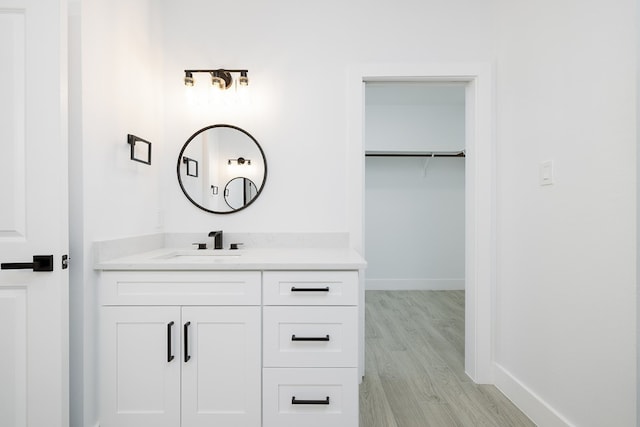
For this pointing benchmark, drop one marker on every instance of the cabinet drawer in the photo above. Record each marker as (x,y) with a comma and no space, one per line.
(310,336)
(310,397)
(180,288)
(310,287)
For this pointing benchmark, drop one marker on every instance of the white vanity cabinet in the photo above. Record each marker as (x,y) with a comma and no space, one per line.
(310,348)
(268,342)
(180,348)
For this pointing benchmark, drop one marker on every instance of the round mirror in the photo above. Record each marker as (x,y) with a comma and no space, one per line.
(239,192)
(221,169)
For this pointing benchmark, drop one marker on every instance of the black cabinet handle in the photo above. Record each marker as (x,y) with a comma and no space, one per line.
(295,338)
(40,263)
(295,401)
(186,342)
(294,289)
(170,355)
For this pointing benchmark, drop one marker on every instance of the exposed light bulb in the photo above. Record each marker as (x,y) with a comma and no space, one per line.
(243,79)
(188,80)
(218,82)
(242,93)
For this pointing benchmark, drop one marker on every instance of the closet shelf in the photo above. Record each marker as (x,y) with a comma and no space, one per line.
(372,153)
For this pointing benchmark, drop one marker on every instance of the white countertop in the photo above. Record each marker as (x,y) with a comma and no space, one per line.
(241,259)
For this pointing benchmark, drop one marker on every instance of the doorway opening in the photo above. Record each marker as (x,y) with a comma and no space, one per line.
(414,185)
(479,191)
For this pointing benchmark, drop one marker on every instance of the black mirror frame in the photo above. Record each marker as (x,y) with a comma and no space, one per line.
(184,191)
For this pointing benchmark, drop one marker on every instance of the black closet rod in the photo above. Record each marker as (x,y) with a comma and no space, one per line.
(456,154)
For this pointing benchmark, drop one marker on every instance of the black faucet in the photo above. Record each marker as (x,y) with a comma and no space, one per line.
(217,239)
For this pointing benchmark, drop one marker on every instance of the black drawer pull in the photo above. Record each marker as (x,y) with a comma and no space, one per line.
(294,401)
(295,338)
(294,289)
(187,356)
(170,355)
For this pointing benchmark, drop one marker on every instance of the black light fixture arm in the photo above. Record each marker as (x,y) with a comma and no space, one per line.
(218,69)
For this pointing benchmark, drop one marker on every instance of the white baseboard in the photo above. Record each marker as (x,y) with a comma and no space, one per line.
(414,284)
(540,412)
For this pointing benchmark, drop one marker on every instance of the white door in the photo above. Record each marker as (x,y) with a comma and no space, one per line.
(34,360)
(140,366)
(221,370)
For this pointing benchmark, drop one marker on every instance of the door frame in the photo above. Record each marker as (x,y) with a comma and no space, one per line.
(480,194)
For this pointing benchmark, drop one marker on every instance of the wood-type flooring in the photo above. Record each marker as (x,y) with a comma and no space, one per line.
(414,375)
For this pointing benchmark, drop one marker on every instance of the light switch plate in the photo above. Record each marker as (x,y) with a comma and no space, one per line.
(546,172)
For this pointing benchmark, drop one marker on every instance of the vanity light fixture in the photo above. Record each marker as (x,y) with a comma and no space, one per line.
(220,78)
(239,161)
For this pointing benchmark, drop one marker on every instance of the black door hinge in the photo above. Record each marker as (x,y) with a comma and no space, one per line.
(65,262)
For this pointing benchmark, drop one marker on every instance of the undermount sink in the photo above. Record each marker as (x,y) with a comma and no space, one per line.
(201,255)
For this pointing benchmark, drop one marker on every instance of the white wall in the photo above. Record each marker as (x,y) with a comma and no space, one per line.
(115,68)
(297,55)
(414,207)
(565,318)
(121,81)
(565,291)
(414,116)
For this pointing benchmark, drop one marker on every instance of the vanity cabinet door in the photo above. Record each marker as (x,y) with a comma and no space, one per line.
(221,370)
(140,380)
(181,366)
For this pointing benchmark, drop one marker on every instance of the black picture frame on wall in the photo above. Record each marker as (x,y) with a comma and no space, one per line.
(192,166)
(140,149)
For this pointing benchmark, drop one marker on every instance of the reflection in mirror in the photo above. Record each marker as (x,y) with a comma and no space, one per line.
(239,192)
(192,166)
(228,157)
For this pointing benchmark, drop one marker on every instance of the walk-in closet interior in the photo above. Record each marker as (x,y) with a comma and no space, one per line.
(415,185)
